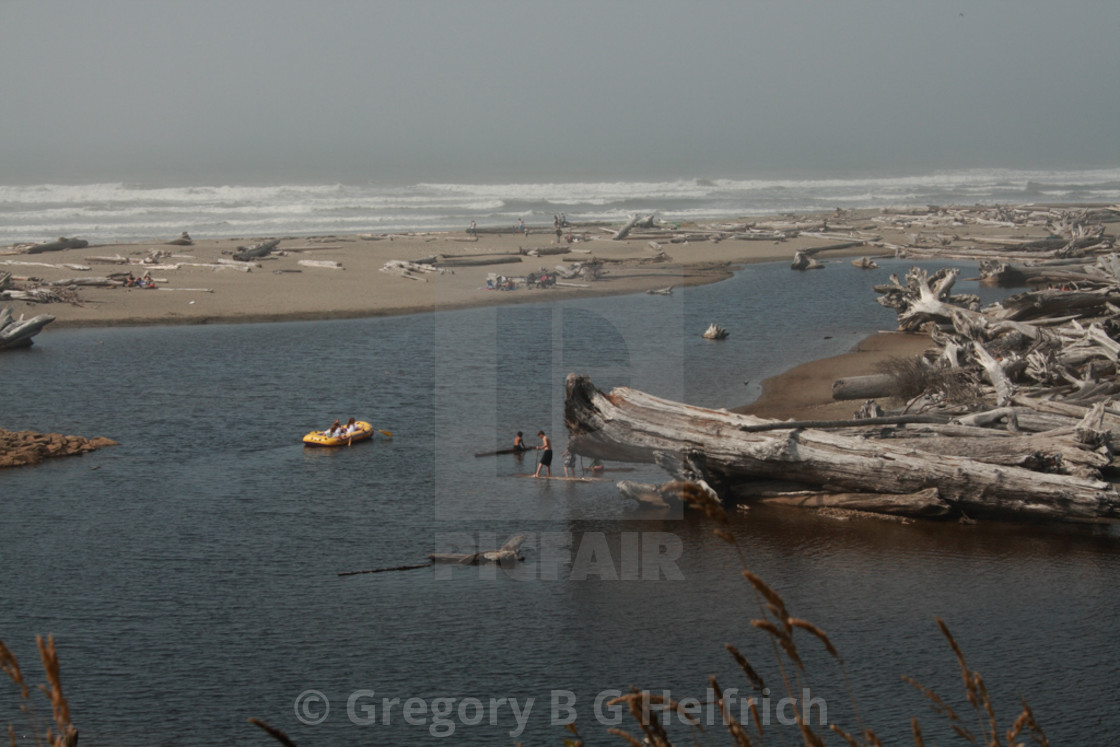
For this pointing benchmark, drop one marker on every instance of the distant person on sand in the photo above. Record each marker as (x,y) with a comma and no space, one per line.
(473,230)
(546,455)
(521,226)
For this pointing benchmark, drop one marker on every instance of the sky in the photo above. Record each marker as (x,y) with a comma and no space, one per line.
(203,91)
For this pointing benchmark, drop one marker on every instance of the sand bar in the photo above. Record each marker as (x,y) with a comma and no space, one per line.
(300,282)
(331,277)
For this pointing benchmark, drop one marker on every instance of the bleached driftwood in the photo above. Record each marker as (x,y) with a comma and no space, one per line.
(506,554)
(802,261)
(66,266)
(629,425)
(256,251)
(17,333)
(327,264)
(409,269)
(57,245)
(219,265)
(628,226)
(715,332)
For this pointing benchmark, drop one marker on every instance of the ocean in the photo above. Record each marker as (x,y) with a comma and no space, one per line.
(190,575)
(127,212)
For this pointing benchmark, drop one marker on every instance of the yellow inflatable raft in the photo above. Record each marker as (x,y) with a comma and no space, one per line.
(320,438)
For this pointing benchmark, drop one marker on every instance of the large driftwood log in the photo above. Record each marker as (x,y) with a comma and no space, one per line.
(629,425)
(263,249)
(58,245)
(869,386)
(18,333)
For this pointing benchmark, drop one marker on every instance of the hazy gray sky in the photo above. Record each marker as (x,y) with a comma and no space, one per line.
(227,90)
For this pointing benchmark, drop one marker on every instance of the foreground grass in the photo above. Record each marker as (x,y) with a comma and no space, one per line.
(976,723)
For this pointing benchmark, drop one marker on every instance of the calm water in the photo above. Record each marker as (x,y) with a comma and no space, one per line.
(189,575)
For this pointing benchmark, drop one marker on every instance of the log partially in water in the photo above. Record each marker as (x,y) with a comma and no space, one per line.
(508,553)
(629,425)
(17,333)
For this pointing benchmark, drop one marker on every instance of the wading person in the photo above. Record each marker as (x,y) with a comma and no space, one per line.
(546,455)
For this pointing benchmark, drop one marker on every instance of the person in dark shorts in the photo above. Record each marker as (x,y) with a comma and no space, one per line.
(546,455)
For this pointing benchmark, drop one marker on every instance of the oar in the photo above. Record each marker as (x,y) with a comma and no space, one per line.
(386,434)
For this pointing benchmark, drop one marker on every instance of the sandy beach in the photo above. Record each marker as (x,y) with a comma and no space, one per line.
(349,281)
(279,288)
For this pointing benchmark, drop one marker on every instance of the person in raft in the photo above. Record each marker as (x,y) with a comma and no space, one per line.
(519,442)
(546,455)
(334,430)
(351,427)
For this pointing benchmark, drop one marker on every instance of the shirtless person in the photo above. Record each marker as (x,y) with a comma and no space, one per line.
(546,456)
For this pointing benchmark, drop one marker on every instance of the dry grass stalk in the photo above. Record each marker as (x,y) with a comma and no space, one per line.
(809,627)
(915,377)
(273,732)
(624,735)
(67,735)
(10,664)
(700,499)
(734,728)
(752,675)
(976,692)
(53,689)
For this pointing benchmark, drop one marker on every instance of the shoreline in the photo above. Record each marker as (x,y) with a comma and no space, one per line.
(279,288)
(340,276)
(197,284)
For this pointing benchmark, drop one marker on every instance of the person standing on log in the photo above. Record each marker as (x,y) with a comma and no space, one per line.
(569,460)
(546,455)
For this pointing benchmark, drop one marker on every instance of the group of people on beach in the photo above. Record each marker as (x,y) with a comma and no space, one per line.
(131,281)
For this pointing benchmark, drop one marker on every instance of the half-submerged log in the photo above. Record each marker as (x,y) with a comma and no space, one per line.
(715,332)
(506,554)
(629,425)
(802,261)
(17,333)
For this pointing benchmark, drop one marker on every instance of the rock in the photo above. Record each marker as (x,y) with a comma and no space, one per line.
(21,448)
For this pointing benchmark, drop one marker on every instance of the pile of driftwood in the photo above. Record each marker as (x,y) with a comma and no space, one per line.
(923,232)
(1069,232)
(1009,414)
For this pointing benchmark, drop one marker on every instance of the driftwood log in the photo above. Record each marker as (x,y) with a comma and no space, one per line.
(57,245)
(507,554)
(629,425)
(17,333)
(256,251)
